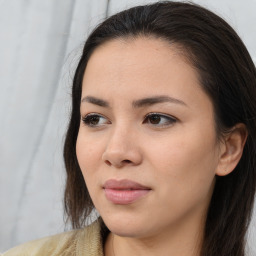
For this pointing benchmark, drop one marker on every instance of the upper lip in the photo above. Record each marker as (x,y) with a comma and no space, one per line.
(124,185)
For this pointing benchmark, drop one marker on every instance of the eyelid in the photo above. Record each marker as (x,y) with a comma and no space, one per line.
(161,114)
(171,119)
(166,120)
(85,118)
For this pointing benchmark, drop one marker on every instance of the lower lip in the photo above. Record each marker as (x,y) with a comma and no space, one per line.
(124,196)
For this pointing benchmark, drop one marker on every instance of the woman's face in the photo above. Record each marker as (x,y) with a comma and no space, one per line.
(147,144)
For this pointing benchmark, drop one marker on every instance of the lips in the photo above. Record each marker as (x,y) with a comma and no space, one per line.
(124,191)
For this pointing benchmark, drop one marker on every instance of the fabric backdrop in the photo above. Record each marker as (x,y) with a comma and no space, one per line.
(40,44)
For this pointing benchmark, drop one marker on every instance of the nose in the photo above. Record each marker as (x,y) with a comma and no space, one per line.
(122,149)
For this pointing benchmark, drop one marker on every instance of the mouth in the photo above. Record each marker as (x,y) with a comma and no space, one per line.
(124,191)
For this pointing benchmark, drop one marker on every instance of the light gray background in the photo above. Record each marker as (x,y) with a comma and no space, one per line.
(40,45)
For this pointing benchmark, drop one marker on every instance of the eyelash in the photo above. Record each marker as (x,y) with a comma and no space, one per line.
(87,120)
(170,119)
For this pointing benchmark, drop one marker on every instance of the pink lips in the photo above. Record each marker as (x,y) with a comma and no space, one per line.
(124,191)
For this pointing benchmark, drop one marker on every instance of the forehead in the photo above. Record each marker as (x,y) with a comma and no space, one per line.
(135,58)
(147,64)
(135,52)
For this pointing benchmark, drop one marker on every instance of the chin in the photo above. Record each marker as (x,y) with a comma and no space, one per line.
(124,226)
(125,231)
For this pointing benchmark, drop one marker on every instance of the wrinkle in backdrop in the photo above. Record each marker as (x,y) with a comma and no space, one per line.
(40,45)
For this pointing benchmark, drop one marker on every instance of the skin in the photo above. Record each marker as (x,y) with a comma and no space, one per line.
(178,160)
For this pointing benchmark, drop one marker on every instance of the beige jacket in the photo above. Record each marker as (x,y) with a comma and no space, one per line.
(82,242)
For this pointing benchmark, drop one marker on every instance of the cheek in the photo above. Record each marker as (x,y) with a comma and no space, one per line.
(185,162)
(88,153)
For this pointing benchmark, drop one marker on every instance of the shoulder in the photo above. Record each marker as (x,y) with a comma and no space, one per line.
(81,242)
(45,246)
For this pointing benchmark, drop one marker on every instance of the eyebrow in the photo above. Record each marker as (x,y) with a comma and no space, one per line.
(154,100)
(137,103)
(95,101)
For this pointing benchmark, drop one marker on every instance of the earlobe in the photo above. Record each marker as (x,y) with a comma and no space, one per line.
(232,149)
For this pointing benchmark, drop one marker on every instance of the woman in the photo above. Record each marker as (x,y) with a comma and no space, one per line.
(161,139)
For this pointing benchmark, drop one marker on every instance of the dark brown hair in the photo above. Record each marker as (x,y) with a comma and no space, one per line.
(227,74)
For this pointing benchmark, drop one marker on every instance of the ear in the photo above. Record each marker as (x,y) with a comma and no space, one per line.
(231,149)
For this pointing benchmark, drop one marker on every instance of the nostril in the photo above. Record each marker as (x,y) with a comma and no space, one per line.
(127,161)
(123,162)
(107,162)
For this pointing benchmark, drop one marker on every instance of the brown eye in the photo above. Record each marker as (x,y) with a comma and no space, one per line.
(154,119)
(94,120)
(159,120)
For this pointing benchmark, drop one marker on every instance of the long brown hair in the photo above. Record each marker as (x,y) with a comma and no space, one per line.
(227,74)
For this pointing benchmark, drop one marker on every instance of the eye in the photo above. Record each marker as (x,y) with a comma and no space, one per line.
(94,120)
(159,120)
